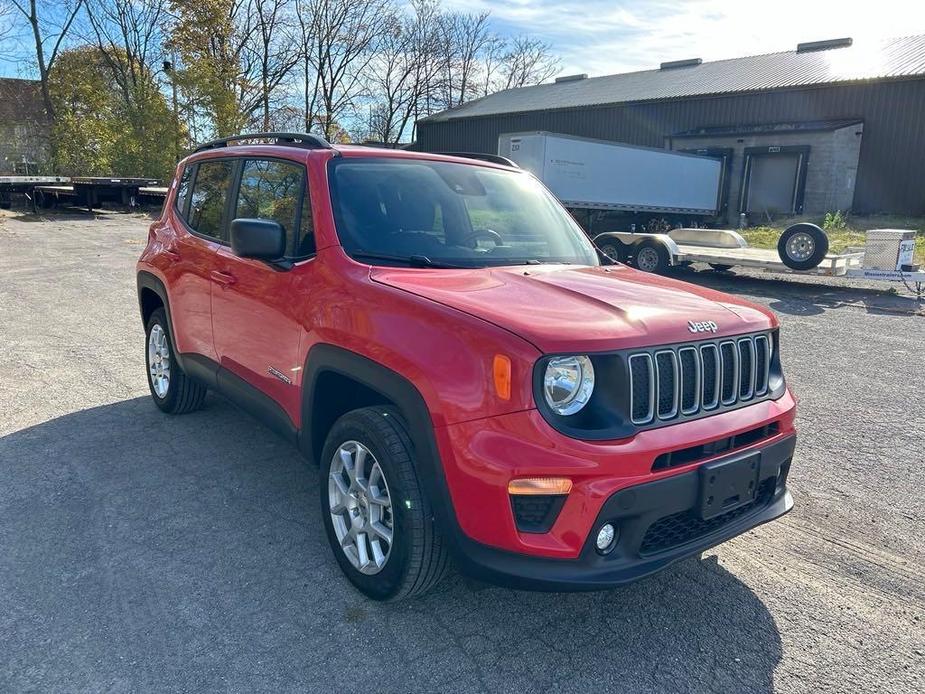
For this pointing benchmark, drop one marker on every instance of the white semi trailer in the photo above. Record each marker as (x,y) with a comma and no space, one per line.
(590,174)
(600,177)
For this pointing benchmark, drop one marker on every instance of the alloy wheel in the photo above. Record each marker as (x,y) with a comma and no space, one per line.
(360,507)
(159,360)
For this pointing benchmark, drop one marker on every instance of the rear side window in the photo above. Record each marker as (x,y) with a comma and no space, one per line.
(207,200)
(183,189)
(276,190)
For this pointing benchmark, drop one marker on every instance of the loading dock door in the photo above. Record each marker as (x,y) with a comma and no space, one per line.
(774,180)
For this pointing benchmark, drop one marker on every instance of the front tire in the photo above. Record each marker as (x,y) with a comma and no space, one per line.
(171,389)
(378,521)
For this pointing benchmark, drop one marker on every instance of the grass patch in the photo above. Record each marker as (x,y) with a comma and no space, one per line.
(852,235)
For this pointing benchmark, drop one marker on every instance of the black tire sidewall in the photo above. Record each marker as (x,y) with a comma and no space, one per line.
(819,238)
(386,583)
(159,317)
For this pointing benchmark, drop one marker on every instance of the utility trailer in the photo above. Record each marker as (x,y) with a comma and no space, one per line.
(886,257)
(637,184)
(722,249)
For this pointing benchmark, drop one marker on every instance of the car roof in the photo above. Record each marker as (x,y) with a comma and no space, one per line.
(299,153)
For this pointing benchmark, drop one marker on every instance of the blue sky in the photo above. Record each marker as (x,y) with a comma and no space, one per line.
(603,37)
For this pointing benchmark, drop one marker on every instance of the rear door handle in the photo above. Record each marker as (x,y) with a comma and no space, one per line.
(225,279)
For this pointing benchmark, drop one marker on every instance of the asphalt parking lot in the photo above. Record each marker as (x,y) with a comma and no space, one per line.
(140,552)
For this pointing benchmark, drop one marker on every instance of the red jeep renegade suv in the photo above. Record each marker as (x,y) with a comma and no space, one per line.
(472,379)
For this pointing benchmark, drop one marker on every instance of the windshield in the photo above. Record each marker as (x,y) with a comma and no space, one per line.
(430,213)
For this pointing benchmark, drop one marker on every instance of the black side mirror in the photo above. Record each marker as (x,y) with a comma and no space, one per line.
(261,239)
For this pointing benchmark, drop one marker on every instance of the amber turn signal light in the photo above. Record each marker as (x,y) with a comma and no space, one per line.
(502,375)
(540,485)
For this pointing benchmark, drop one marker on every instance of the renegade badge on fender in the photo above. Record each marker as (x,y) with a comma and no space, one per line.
(439,337)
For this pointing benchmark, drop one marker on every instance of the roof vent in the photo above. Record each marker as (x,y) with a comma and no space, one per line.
(572,78)
(690,62)
(824,45)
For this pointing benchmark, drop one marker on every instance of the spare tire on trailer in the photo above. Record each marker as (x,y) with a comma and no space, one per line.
(802,246)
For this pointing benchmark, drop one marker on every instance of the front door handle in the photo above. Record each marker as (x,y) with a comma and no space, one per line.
(226,279)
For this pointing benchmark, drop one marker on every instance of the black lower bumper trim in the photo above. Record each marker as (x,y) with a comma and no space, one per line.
(634,511)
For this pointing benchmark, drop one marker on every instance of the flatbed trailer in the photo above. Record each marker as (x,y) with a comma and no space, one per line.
(24,185)
(724,249)
(91,191)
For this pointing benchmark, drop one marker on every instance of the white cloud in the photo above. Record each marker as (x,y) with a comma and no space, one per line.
(601,37)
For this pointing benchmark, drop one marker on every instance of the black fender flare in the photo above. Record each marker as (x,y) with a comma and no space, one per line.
(150,281)
(407,398)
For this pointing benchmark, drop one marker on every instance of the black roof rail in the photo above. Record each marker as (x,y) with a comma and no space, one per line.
(304,140)
(492,158)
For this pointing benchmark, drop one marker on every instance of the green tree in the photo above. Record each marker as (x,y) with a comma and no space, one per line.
(208,39)
(104,130)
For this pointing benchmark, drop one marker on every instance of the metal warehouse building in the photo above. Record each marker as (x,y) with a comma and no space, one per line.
(830,125)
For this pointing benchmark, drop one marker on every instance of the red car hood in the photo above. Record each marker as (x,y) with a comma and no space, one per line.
(582,309)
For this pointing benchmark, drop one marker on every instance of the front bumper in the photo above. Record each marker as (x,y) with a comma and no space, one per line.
(665,507)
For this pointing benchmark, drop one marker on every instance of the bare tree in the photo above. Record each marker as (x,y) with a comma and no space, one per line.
(129,36)
(6,21)
(272,49)
(465,38)
(338,39)
(406,68)
(49,23)
(526,61)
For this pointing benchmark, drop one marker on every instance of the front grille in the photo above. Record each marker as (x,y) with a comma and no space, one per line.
(687,526)
(691,454)
(687,380)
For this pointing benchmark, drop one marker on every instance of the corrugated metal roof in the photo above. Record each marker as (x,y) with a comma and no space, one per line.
(887,59)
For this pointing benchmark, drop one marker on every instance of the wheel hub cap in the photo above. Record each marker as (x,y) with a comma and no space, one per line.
(159,361)
(360,507)
(647,260)
(801,246)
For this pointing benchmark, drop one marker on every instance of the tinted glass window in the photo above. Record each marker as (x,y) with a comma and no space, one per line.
(274,190)
(207,201)
(457,214)
(183,188)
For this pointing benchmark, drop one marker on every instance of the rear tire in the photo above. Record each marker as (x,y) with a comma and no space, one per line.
(651,256)
(405,554)
(802,246)
(171,389)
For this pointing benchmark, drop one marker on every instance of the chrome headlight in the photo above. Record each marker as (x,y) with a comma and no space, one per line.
(568,384)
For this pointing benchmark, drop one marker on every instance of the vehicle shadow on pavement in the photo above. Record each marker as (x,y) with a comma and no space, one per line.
(140,551)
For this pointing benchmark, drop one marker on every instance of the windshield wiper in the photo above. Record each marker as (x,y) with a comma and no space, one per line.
(410,261)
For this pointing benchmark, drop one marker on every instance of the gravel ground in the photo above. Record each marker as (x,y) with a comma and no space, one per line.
(141,552)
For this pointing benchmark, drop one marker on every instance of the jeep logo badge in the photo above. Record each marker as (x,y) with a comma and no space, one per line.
(702,326)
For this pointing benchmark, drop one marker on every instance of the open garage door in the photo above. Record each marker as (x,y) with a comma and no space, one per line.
(774,180)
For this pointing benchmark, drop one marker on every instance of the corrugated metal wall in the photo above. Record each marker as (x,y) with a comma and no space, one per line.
(891,172)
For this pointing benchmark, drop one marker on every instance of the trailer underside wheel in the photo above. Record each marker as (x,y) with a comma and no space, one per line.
(614,250)
(651,256)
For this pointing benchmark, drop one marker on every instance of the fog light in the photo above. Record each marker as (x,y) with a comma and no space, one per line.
(605,538)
